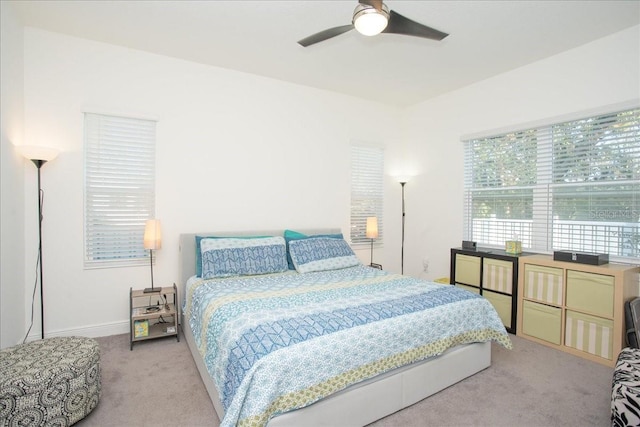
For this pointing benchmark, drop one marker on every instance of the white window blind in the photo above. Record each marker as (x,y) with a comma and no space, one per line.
(367,181)
(119,188)
(573,186)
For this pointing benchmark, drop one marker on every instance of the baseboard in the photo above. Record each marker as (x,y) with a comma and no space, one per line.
(93,331)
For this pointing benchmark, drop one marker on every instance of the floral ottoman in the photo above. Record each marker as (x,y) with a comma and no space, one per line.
(53,382)
(625,394)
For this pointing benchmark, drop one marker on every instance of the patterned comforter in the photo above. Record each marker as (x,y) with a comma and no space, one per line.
(274,343)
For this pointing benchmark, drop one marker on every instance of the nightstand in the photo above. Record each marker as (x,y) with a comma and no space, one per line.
(153,315)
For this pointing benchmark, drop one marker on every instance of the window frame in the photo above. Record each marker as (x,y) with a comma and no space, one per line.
(546,220)
(108,180)
(367,192)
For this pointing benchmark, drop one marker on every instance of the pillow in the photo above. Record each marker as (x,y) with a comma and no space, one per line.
(224,257)
(290,235)
(199,251)
(321,253)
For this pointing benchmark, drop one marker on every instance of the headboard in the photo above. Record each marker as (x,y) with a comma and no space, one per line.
(187,265)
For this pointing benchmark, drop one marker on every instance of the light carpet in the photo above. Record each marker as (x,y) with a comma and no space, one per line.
(157,384)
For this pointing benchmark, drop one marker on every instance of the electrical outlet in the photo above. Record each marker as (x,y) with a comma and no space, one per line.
(425,265)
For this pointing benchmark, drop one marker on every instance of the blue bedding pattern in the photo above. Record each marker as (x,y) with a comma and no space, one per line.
(265,338)
(320,254)
(320,248)
(233,257)
(271,342)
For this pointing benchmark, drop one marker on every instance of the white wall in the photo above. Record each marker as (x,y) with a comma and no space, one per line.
(12,190)
(234,151)
(237,151)
(604,72)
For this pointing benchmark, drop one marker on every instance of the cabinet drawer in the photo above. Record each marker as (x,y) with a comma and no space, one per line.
(469,288)
(542,321)
(468,269)
(497,275)
(543,284)
(590,292)
(502,304)
(589,333)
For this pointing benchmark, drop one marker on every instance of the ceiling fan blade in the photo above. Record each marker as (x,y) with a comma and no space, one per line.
(376,4)
(324,35)
(398,24)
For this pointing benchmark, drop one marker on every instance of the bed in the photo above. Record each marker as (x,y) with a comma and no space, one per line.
(329,342)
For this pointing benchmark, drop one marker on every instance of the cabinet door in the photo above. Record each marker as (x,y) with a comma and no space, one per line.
(590,292)
(502,304)
(497,275)
(542,321)
(589,333)
(544,284)
(468,269)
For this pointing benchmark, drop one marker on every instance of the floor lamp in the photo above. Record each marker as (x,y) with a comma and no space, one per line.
(39,156)
(403,181)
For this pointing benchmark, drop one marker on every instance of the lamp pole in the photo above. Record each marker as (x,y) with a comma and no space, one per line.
(403,215)
(371,261)
(39,164)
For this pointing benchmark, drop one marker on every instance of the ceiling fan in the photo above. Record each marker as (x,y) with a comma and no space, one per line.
(372,17)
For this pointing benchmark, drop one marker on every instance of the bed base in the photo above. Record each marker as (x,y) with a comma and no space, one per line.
(370,400)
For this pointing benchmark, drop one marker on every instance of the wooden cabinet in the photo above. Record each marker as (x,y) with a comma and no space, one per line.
(153,315)
(577,308)
(492,273)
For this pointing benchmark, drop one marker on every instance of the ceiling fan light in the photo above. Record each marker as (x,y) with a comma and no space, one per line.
(370,21)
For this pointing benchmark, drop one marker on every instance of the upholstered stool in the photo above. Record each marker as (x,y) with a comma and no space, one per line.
(53,382)
(625,393)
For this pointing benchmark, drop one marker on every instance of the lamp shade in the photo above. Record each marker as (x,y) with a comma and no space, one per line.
(370,21)
(403,179)
(152,234)
(371,230)
(33,152)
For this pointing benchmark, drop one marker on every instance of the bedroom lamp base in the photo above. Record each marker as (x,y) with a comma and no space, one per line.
(152,290)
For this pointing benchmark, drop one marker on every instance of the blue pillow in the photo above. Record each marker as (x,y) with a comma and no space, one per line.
(199,251)
(321,253)
(290,235)
(224,257)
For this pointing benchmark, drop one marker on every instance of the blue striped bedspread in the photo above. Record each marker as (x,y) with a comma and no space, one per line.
(274,343)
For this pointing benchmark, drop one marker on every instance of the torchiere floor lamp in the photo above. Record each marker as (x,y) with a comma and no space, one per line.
(402,180)
(39,156)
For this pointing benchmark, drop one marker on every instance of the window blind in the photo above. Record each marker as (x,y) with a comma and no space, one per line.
(367,181)
(573,185)
(119,188)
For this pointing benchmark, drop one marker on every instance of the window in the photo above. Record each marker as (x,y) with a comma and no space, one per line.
(573,186)
(119,188)
(367,173)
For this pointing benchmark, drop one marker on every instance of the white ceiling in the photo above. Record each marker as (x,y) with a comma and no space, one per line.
(259,37)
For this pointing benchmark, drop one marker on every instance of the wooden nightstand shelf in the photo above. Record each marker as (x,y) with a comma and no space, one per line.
(153,315)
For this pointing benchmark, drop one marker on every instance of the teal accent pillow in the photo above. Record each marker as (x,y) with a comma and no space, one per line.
(199,248)
(290,235)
